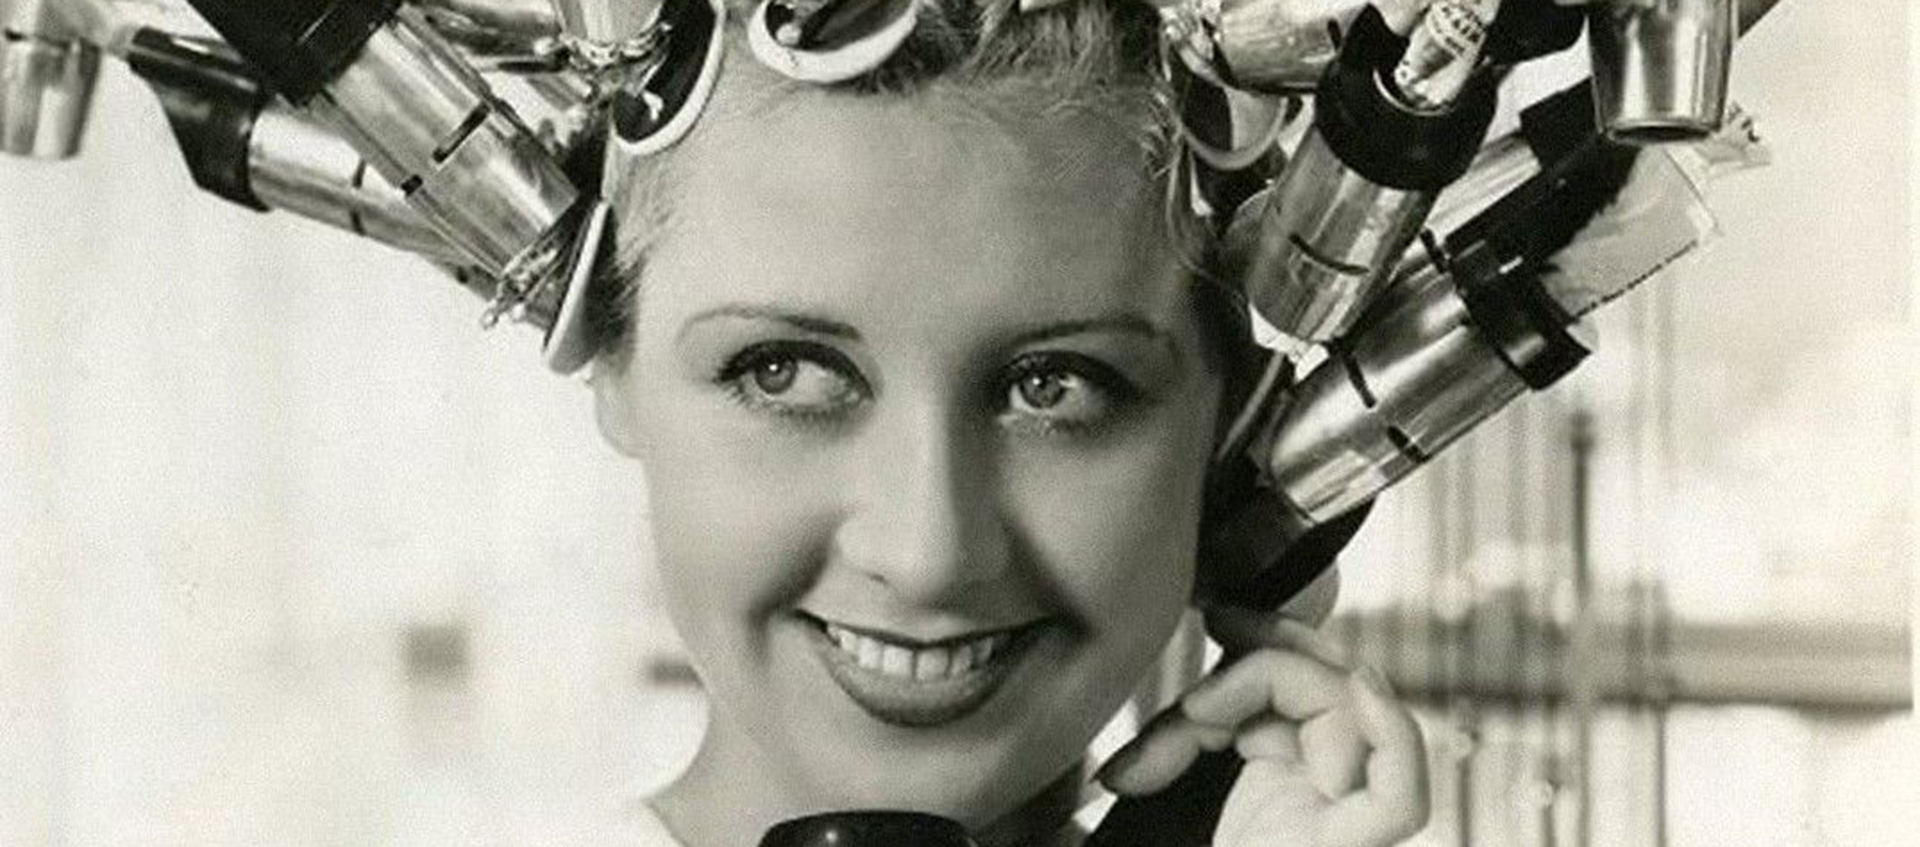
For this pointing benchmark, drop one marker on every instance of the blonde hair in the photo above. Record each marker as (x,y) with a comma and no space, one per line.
(1090,57)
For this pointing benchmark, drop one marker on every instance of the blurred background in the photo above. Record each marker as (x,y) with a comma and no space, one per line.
(292,553)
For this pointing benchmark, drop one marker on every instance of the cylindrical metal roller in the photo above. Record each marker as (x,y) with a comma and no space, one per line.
(514,20)
(423,117)
(243,144)
(302,166)
(1418,377)
(1283,46)
(606,21)
(1486,316)
(429,125)
(1356,193)
(1660,69)
(47,76)
(1280,46)
(1325,238)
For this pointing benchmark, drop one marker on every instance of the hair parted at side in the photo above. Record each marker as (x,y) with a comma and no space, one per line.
(1098,57)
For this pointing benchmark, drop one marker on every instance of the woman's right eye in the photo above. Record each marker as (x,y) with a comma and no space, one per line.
(795,379)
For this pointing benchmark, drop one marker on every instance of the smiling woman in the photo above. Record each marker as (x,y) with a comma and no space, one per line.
(924,396)
(924,412)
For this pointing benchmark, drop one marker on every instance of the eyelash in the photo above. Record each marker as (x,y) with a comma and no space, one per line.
(734,374)
(1117,391)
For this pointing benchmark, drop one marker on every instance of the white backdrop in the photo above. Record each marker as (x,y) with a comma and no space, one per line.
(242,455)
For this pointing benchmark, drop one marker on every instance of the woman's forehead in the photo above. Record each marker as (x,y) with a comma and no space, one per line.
(829,198)
(813,141)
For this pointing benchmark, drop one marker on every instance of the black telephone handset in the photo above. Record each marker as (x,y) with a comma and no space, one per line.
(867,829)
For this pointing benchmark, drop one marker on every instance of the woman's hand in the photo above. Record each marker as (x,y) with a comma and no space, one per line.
(1333,760)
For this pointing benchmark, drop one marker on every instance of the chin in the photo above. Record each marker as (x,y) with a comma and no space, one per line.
(975,771)
(975,791)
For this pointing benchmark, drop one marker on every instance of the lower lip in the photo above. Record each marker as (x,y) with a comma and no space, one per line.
(917,703)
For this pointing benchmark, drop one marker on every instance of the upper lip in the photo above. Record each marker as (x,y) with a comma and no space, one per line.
(917,642)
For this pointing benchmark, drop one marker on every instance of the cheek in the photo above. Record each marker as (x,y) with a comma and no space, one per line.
(731,542)
(1121,531)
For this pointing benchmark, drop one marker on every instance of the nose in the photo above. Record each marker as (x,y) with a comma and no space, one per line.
(924,518)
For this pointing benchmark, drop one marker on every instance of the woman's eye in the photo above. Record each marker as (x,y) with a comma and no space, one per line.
(793,379)
(1054,392)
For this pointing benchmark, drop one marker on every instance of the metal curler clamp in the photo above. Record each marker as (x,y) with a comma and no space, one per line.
(658,83)
(1284,46)
(504,30)
(1270,46)
(47,75)
(829,40)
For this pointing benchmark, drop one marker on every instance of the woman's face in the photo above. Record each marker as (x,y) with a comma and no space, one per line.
(922,406)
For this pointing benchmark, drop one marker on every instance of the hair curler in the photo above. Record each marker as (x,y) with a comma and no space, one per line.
(1360,185)
(1660,67)
(427,122)
(1479,318)
(489,21)
(1483,318)
(1284,46)
(829,40)
(243,144)
(47,74)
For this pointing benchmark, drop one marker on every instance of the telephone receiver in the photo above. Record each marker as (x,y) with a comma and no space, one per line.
(1183,814)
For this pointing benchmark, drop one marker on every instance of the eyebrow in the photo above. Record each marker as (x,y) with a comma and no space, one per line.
(1122,324)
(799,320)
(1119,324)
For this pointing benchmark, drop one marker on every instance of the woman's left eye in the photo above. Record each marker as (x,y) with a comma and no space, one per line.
(1063,392)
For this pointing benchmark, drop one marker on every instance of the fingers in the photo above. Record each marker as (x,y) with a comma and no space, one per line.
(1290,684)
(1163,750)
(1334,749)
(1246,630)
(1394,804)
(1269,737)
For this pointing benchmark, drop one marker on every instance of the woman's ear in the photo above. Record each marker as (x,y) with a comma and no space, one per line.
(614,408)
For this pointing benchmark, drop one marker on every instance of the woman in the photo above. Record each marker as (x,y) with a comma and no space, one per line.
(924,396)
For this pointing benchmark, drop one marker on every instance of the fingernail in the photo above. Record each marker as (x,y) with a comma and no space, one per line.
(1375,681)
(1113,764)
(1099,774)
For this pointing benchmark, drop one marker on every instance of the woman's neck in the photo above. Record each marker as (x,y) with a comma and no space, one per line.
(725,793)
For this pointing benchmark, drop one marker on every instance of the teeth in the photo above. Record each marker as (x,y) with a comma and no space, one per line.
(962,660)
(897,661)
(924,664)
(932,664)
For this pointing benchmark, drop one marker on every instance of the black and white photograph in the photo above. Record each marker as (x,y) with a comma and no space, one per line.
(959,423)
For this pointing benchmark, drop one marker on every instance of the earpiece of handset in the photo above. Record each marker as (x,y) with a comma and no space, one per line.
(1186,813)
(867,829)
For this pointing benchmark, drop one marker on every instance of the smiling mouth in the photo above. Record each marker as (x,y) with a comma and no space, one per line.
(911,683)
